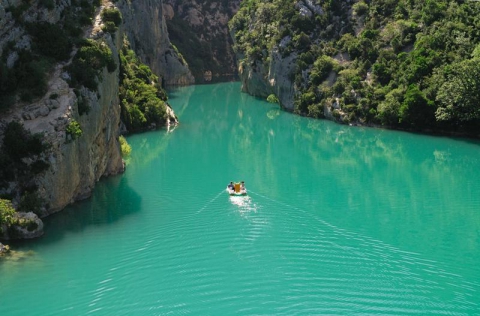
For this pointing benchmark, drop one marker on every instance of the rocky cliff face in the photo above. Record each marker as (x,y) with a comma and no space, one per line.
(262,81)
(268,48)
(147,32)
(199,29)
(76,164)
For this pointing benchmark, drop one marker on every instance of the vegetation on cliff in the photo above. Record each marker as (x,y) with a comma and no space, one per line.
(124,147)
(20,154)
(141,97)
(92,56)
(25,67)
(411,64)
(7,213)
(112,18)
(21,160)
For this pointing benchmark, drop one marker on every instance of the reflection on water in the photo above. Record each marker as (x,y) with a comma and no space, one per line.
(338,220)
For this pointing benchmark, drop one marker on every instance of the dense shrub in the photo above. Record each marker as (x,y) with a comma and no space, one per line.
(91,58)
(28,77)
(272,98)
(74,130)
(51,43)
(124,147)
(7,213)
(19,143)
(142,99)
(320,70)
(112,15)
(109,27)
(50,40)
(413,64)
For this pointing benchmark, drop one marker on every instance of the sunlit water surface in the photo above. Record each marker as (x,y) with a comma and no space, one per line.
(339,220)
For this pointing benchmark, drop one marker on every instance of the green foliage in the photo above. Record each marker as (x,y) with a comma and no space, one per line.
(109,27)
(301,41)
(7,213)
(91,58)
(124,147)
(27,79)
(272,98)
(112,19)
(112,15)
(74,130)
(18,144)
(320,70)
(416,109)
(414,64)
(459,94)
(141,97)
(388,110)
(360,8)
(50,40)
(303,101)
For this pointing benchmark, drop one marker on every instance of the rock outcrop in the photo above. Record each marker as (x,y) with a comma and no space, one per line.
(199,29)
(147,32)
(77,163)
(28,226)
(261,81)
(4,249)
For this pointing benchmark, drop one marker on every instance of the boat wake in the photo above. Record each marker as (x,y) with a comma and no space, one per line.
(244,204)
(210,202)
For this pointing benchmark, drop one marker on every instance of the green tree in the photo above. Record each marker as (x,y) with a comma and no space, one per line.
(459,95)
(7,213)
(320,70)
(416,110)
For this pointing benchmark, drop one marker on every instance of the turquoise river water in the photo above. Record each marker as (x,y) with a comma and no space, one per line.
(339,220)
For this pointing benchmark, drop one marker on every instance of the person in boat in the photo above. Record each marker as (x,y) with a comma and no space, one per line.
(242,185)
(230,186)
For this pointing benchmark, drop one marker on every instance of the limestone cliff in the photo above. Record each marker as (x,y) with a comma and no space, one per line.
(76,163)
(75,166)
(262,81)
(199,29)
(147,32)
(266,49)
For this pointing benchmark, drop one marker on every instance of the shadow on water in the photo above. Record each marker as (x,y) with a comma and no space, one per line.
(111,201)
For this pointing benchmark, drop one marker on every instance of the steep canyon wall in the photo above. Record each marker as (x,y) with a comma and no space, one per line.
(199,29)
(76,164)
(146,30)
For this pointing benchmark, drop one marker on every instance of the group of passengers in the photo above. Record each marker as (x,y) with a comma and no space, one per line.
(231,186)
